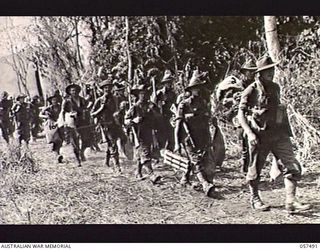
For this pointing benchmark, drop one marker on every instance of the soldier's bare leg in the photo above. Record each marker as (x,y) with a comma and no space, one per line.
(121,147)
(185,177)
(74,140)
(283,151)
(207,187)
(114,155)
(257,158)
(138,172)
(56,149)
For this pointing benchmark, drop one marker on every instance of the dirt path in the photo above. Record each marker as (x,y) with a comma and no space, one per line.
(66,194)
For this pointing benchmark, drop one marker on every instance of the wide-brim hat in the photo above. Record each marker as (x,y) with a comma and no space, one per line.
(4,94)
(35,97)
(105,83)
(167,77)
(248,65)
(49,99)
(265,63)
(73,85)
(119,87)
(21,96)
(136,89)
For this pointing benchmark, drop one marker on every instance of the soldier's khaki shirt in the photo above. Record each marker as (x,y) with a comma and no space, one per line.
(261,102)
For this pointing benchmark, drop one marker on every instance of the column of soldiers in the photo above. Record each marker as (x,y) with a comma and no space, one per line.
(150,117)
(19,116)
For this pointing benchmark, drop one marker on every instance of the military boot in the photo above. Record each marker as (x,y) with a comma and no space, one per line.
(292,204)
(151,175)
(185,178)
(255,200)
(207,187)
(116,164)
(83,158)
(297,206)
(78,158)
(60,158)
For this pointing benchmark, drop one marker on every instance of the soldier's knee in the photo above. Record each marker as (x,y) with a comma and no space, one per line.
(197,168)
(292,170)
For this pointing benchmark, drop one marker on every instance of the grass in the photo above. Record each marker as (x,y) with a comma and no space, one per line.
(65,194)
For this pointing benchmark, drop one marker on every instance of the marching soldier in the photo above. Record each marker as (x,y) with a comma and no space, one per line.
(142,118)
(5,106)
(54,133)
(104,109)
(90,96)
(265,123)
(165,98)
(228,94)
(35,121)
(193,118)
(21,114)
(121,108)
(75,120)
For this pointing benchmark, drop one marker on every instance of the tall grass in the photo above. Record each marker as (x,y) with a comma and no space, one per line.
(16,167)
(300,91)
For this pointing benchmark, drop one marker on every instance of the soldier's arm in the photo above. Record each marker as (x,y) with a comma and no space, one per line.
(44,113)
(128,117)
(89,105)
(15,108)
(95,109)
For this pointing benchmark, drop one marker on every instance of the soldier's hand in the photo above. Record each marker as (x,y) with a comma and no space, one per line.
(252,139)
(137,120)
(177,148)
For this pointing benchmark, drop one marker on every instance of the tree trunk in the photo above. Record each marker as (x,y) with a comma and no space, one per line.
(270,25)
(129,58)
(128,51)
(172,46)
(76,22)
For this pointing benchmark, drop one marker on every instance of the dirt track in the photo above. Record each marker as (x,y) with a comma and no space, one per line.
(93,194)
